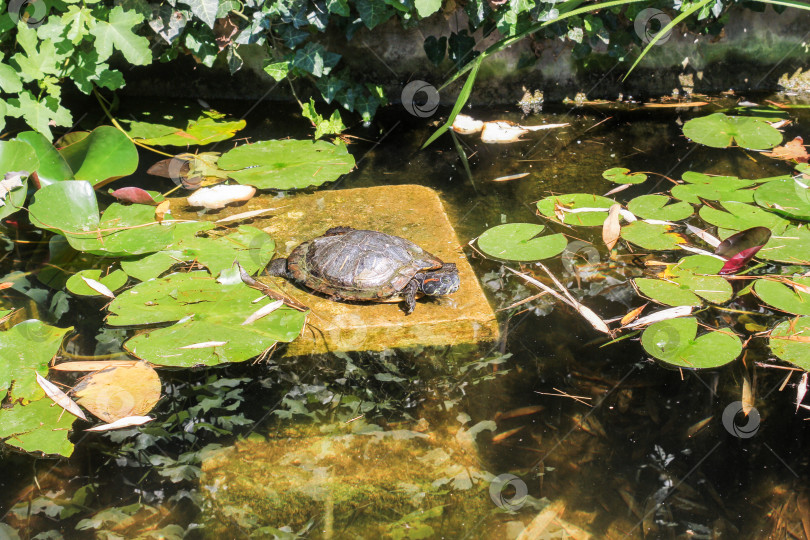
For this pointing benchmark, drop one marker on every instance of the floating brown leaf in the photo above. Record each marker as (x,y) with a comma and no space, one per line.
(611,229)
(792,151)
(118,392)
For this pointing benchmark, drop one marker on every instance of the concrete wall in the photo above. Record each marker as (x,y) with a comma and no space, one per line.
(752,53)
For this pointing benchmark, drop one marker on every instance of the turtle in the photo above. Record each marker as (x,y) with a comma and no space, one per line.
(360,265)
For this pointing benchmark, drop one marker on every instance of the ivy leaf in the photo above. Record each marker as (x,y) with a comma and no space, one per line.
(338,7)
(277,70)
(373,12)
(200,41)
(205,10)
(310,59)
(460,48)
(118,33)
(322,126)
(435,49)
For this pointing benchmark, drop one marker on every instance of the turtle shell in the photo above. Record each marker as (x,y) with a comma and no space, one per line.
(359,265)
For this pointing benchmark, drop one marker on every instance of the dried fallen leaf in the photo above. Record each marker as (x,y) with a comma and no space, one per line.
(747,395)
(697,426)
(703,235)
(510,177)
(220,196)
(505,435)
(617,189)
(100,288)
(801,390)
(245,215)
(59,397)
(161,210)
(792,151)
(94,365)
(204,345)
(118,392)
(133,195)
(611,229)
(466,125)
(263,311)
(521,411)
(632,315)
(128,421)
(663,315)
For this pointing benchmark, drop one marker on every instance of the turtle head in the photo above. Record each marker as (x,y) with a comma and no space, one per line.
(442,281)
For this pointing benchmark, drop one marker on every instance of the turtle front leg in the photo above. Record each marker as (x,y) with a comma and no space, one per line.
(409,295)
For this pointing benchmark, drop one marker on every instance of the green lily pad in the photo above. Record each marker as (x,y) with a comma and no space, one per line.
(573,201)
(204,312)
(668,293)
(687,284)
(16,156)
(520,242)
(768,113)
(713,188)
(252,247)
(52,166)
(786,197)
(103,155)
(792,247)
(40,426)
(209,127)
(674,341)
(70,209)
(287,164)
(784,297)
(740,216)
(657,207)
(131,230)
(697,264)
(27,350)
(651,236)
(113,281)
(720,131)
(620,175)
(790,341)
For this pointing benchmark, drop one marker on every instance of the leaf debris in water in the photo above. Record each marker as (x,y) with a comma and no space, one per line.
(59,397)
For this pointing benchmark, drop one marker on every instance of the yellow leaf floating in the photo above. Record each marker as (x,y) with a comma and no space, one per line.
(119,392)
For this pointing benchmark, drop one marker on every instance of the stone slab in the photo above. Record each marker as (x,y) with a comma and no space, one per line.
(410,211)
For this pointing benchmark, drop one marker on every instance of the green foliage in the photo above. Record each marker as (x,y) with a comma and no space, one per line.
(204,312)
(287,164)
(569,207)
(520,242)
(676,342)
(720,131)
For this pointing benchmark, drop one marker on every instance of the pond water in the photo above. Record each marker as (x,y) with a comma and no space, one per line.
(602,440)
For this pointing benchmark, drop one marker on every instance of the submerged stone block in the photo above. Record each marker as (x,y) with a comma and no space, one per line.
(410,211)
